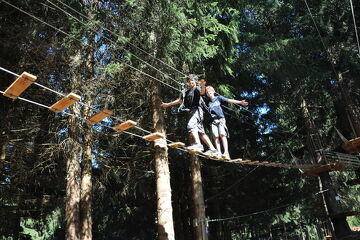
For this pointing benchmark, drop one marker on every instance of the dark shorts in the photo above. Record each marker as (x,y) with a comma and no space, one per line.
(195,121)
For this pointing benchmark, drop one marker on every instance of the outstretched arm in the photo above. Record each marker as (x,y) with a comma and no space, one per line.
(202,86)
(165,105)
(242,102)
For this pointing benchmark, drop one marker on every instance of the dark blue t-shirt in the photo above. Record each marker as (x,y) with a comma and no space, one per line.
(215,106)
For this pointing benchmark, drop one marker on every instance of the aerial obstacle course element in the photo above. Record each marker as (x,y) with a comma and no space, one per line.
(19,85)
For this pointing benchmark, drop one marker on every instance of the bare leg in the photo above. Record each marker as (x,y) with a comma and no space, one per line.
(195,135)
(217,144)
(225,144)
(207,141)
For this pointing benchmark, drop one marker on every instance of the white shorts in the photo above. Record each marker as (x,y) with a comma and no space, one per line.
(195,120)
(218,128)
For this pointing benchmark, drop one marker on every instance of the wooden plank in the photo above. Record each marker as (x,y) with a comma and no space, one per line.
(238,160)
(153,136)
(100,116)
(328,167)
(263,163)
(19,85)
(273,164)
(194,151)
(244,161)
(66,102)
(176,144)
(212,155)
(125,125)
(253,162)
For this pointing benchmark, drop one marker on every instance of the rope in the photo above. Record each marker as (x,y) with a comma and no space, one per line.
(356,33)
(263,211)
(229,188)
(167,140)
(63,95)
(73,115)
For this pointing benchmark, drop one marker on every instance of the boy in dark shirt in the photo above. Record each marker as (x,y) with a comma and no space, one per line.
(193,105)
(218,124)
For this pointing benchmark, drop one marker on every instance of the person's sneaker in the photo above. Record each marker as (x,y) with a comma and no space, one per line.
(211,153)
(195,148)
(226,156)
(219,156)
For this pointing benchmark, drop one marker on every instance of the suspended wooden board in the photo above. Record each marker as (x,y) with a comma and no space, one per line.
(195,151)
(352,146)
(253,162)
(19,85)
(239,160)
(64,103)
(125,125)
(176,144)
(328,167)
(213,155)
(153,136)
(273,164)
(100,116)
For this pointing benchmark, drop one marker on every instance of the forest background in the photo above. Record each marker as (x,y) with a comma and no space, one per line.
(293,61)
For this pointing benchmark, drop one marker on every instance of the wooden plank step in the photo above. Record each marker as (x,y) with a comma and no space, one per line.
(253,162)
(125,125)
(244,161)
(100,116)
(273,164)
(238,160)
(19,85)
(335,166)
(153,136)
(65,102)
(352,146)
(176,144)
(194,151)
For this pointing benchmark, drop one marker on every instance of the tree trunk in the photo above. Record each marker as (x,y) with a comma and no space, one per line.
(4,146)
(4,142)
(179,229)
(199,222)
(86,183)
(163,188)
(332,207)
(72,212)
(216,228)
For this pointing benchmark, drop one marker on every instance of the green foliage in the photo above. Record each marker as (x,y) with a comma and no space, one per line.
(43,229)
(354,221)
